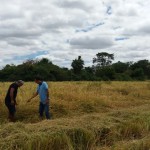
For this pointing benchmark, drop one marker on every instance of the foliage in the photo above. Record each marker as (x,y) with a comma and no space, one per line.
(103,59)
(102,69)
(77,65)
(120,67)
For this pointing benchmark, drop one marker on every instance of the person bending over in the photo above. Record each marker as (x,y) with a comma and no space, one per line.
(10,99)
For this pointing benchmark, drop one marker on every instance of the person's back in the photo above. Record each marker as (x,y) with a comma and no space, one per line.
(15,87)
(42,91)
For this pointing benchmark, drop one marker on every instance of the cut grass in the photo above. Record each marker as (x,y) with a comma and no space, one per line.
(85,116)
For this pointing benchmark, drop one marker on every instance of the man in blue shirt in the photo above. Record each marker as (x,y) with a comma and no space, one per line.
(42,91)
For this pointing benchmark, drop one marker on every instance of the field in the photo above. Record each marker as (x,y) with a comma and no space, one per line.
(85,116)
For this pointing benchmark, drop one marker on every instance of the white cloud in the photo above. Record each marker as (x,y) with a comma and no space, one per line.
(32,26)
(91,42)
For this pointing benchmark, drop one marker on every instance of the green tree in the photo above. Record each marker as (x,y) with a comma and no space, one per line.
(120,67)
(7,73)
(106,73)
(77,65)
(102,68)
(103,59)
(144,65)
(138,74)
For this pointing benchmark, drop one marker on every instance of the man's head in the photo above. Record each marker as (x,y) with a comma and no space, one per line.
(38,79)
(20,83)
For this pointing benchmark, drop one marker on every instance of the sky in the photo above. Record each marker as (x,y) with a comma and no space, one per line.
(62,30)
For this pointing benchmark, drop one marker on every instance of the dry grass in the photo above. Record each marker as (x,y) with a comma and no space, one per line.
(85,116)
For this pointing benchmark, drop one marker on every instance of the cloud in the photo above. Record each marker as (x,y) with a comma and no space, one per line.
(73,5)
(20,42)
(68,28)
(91,42)
(144,29)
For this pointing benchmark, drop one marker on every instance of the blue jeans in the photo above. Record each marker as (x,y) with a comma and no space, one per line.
(44,108)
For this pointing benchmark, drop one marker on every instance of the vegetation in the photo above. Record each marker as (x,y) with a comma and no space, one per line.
(101,70)
(85,116)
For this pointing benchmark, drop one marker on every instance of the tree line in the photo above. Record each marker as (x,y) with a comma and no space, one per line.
(102,69)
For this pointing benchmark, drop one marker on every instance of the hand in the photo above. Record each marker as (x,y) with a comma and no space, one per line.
(28,100)
(47,101)
(16,103)
(12,102)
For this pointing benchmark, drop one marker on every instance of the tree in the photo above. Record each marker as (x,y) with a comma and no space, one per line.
(77,65)
(103,59)
(103,69)
(106,73)
(120,67)
(7,73)
(138,74)
(144,65)
(44,61)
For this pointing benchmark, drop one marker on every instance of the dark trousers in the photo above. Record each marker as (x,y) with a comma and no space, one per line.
(11,110)
(44,108)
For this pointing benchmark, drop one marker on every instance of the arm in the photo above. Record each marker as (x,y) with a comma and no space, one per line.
(47,94)
(12,96)
(34,95)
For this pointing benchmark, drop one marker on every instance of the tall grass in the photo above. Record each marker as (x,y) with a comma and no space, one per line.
(85,116)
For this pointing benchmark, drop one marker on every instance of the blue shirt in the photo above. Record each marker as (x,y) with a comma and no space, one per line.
(42,91)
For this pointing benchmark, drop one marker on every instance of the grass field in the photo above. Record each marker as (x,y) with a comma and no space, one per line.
(85,116)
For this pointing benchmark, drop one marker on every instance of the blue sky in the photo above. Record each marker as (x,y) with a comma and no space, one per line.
(30,56)
(63,30)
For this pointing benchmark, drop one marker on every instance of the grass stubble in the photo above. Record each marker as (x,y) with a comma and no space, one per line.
(85,116)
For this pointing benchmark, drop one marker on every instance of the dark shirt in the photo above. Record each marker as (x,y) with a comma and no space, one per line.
(15,87)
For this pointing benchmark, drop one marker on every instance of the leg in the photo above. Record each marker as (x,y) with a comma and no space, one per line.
(7,105)
(41,110)
(47,114)
(12,111)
